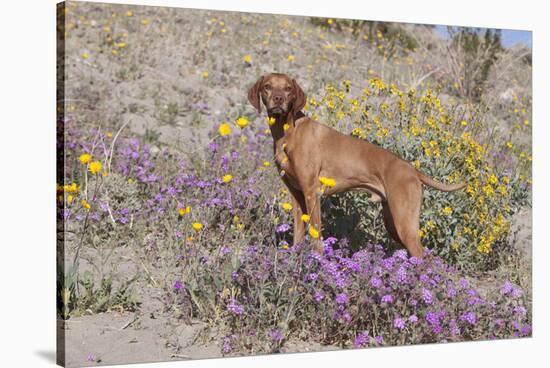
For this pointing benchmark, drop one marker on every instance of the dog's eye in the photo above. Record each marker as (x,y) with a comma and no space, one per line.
(267,87)
(288,89)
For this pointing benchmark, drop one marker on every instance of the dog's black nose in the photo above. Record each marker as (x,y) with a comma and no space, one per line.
(278,99)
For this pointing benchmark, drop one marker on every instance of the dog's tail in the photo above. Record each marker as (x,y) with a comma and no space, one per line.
(439,186)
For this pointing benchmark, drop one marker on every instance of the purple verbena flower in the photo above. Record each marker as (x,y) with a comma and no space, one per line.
(520,310)
(399,323)
(318,296)
(361,340)
(235,308)
(427,296)
(275,335)
(469,317)
(388,298)
(227,347)
(376,282)
(342,298)
(283,228)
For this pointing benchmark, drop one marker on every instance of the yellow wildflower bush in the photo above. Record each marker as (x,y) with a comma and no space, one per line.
(464,227)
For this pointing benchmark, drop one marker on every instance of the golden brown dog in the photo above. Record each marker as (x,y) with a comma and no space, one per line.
(306,151)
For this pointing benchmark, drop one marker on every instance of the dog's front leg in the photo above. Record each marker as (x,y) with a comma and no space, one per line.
(313,205)
(299,225)
(298,209)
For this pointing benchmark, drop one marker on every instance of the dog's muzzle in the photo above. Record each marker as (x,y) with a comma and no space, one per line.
(276,110)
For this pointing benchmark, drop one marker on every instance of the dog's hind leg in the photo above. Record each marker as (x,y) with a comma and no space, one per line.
(404,208)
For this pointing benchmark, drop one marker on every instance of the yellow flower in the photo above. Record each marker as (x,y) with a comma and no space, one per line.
(227,178)
(85,158)
(488,190)
(85,204)
(266,163)
(129,13)
(306,218)
(284,246)
(204,74)
(241,122)
(130,180)
(358,132)
(197,226)
(109,135)
(104,173)
(114,52)
(290,58)
(224,129)
(313,233)
(85,55)
(447,211)
(287,206)
(94,167)
(183,211)
(247,58)
(285,127)
(271,121)
(70,198)
(328,182)
(74,188)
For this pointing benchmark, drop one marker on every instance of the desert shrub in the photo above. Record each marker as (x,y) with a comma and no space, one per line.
(445,141)
(471,56)
(79,293)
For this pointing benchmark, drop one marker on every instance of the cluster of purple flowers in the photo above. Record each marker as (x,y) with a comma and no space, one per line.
(235,308)
(423,301)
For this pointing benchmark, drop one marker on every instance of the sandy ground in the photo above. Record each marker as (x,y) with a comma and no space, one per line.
(141,336)
(147,335)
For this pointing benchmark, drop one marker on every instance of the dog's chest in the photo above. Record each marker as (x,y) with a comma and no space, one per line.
(283,159)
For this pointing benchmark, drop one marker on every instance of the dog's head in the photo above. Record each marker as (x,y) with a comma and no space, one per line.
(279,93)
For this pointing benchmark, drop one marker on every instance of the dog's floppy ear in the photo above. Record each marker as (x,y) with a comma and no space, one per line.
(254,95)
(299,100)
